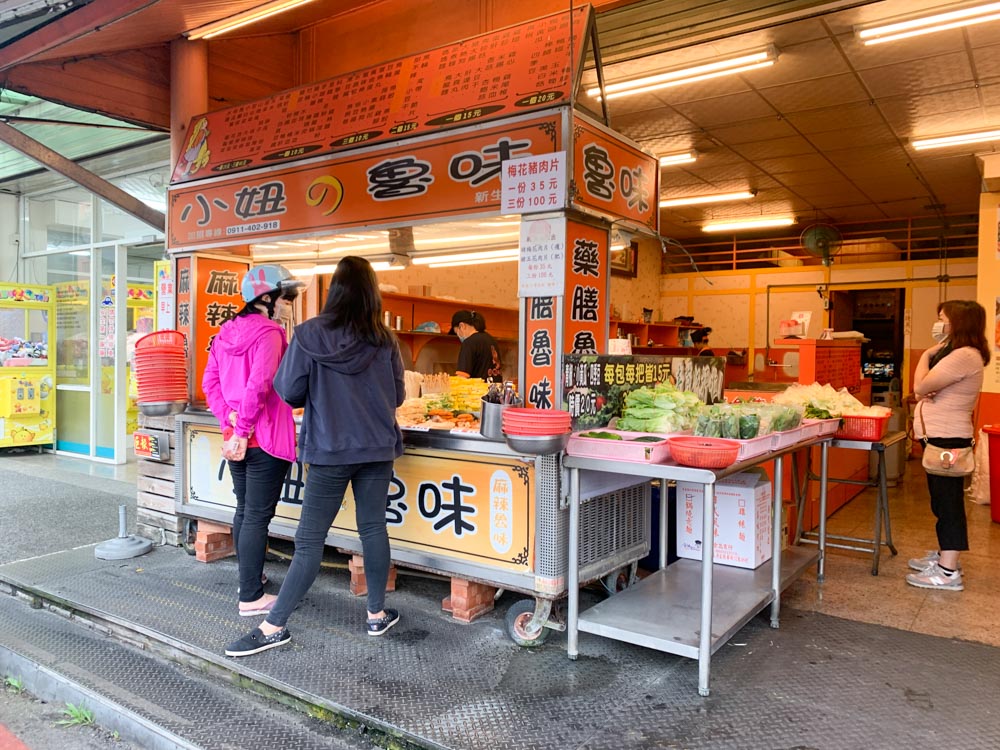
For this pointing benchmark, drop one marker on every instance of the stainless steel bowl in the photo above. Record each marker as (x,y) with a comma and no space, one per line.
(537,445)
(162,408)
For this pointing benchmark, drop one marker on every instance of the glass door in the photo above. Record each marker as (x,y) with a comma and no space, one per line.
(91,366)
(109,383)
(69,273)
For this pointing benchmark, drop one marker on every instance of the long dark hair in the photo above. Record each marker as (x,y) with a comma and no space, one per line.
(968,326)
(354,302)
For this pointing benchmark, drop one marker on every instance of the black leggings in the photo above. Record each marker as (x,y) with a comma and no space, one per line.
(257,483)
(948,502)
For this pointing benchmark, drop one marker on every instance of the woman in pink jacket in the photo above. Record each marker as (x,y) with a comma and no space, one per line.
(947,382)
(257,426)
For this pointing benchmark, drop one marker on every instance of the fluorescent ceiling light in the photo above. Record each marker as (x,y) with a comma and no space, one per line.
(694,200)
(323,268)
(762,222)
(683,158)
(910,27)
(474,262)
(467,238)
(353,248)
(239,20)
(955,140)
(701,72)
(430,260)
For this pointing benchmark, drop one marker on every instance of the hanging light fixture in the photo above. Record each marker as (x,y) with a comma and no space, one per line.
(739,225)
(695,200)
(245,18)
(921,144)
(685,157)
(911,26)
(701,72)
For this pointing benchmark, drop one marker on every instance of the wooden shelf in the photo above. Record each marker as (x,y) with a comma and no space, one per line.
(663,335)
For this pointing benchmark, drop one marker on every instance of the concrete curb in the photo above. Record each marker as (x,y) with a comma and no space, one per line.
(56,688)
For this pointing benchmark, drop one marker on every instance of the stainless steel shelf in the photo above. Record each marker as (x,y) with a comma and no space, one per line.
(663,611)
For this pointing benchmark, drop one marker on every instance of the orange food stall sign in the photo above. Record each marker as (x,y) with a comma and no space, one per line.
(495,75)
(452,174)
(457,505)
(543,351)
(612,177)
(208,294)
(585,325)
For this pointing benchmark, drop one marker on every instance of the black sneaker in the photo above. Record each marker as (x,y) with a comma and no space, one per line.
(381,624)
(255,641)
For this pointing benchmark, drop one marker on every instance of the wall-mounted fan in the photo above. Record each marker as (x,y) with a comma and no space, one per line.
(821,241)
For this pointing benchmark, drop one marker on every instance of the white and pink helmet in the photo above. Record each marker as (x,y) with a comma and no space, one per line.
(269,279)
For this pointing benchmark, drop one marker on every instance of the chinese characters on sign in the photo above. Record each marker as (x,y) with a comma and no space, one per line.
(532,184)
(455,173)
(499,74)
(594,388)
(444,502)
(586,289)
(543,353)
(164,295)
(106,328)
(616,179)
(543,256)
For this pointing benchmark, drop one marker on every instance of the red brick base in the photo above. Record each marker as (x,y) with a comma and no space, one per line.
(213,542)
(468,600)
(359,586)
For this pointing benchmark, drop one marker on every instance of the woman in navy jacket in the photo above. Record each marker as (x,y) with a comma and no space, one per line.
(344,367)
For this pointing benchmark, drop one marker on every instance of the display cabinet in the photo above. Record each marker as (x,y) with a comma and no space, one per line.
(27,372)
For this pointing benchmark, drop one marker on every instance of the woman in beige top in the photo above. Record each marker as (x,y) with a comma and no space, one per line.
(947,382)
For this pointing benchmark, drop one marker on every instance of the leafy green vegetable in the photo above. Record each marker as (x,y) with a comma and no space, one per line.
(661,408)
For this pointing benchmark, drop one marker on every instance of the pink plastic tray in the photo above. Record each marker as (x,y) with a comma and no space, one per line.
(757,446)
(828,426)
(784,439)
(620,450)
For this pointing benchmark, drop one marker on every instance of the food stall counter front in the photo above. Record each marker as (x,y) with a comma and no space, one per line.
(458,505)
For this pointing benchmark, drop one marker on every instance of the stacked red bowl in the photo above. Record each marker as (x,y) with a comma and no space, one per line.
(536,431)
(521,421)
(160,365)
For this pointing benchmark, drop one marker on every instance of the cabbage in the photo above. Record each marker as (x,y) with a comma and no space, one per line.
(661,408)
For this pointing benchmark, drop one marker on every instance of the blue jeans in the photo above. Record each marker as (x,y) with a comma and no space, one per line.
(257,483)
(325,488)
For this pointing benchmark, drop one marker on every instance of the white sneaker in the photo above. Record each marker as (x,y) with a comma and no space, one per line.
(935,578)
(932,557)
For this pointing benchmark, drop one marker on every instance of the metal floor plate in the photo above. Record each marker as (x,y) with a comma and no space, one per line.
(818,682)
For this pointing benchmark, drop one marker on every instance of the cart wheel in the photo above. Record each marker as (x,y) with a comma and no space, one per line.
(188,535)
(518,617)
(617,580)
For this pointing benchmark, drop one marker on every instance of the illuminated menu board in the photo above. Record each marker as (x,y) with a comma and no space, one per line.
(510,71)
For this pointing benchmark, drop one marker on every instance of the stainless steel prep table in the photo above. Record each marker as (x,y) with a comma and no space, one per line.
(668,610)
(874,545)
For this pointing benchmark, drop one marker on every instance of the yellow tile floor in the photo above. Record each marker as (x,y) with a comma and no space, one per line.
(852,592)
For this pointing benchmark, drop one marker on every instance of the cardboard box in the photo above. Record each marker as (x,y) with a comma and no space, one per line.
(742,520)
(419,290)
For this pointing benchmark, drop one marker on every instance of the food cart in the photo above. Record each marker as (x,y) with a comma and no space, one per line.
(330,158)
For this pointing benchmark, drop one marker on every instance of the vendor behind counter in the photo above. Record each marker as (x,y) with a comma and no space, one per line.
(479,355)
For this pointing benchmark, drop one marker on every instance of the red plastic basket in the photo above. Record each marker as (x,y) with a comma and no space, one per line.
(704,452)
(863,428)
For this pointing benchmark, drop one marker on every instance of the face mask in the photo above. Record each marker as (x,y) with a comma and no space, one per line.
(937,331)
(283,311)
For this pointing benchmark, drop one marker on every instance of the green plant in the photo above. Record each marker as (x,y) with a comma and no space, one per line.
(14,684)
(76,716)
